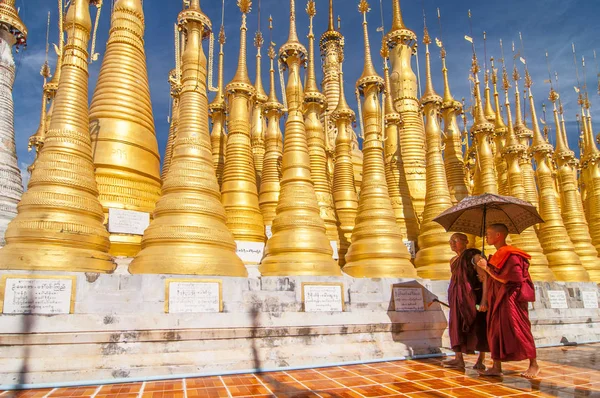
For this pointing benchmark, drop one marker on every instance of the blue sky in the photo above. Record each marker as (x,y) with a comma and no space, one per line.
(548,25)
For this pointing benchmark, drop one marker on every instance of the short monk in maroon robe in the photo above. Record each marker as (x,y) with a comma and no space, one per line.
(468,303)
(509,291)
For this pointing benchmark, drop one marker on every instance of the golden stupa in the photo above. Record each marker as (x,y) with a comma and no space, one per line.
(217,110)
(259,122)
(377,250)
(434,255)
(124,142)
(239,190)
(188,234)
(500,131)
(315,104)
(59,222)
(271,170)
(299,245)
(175,83)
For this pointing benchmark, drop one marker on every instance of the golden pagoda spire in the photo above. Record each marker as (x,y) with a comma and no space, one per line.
(453,155)
(239,190)
(269,183)
(299,245)
(218,109)
(434,255)
(394,168)
(560,252)
(377,250)
(124,142)
(488,111)
(512,152)
(402,43)
(259,123)
(59,224)
(315,105)
(500,131)
(175,83)
(188,234)
(571,205)
(344,192)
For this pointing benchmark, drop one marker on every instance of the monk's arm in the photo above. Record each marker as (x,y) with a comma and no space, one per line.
(483,277)
(482,264)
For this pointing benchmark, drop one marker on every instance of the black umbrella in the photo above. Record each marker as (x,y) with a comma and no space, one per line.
(472,214)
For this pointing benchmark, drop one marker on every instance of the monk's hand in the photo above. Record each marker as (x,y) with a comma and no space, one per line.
(482,263)
(483,307)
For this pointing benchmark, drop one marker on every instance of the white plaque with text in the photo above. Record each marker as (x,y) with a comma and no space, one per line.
(336,253)
(268,231)
(189,296)
(558,299)
(408,299)
(590,299)
(250,252)
(127,221)
(23,295)
(323,298)
(410,245)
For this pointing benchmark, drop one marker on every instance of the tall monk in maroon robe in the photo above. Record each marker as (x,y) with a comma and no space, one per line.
(468,303)
(509,290)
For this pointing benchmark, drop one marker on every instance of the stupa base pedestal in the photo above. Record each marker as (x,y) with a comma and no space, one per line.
(124,327)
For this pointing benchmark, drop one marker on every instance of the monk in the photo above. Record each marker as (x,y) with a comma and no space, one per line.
(468,304)
(509,290)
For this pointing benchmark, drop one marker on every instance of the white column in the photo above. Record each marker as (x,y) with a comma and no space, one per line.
(11,187)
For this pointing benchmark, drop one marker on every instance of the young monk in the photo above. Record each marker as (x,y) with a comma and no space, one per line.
(509,289)
(467,290)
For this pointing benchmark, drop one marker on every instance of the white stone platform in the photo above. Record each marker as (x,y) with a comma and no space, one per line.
(119,329)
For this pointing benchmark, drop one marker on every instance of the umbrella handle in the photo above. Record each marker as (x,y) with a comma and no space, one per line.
(483,231)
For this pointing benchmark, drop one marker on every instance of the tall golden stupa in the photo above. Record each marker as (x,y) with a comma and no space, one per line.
(124,143)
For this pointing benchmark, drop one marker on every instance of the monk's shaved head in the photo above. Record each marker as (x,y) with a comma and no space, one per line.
(500,228)
(460,236)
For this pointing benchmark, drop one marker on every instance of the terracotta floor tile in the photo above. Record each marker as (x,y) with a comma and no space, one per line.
(368,371)
(415,376)
(242,380)
(465,392)
(374,391)
(438,384)
(287,388)
(467,381)
(275,378)
(354,381)
(406,387)
(305,394)
(339,393)
(315,385)
(163,385)
(74,392)
(39,393)
(428,394)
(305,375)
(241,391)
(125,388)
(400,371)
(203,382)
(496,390)
(444,373)
(386,378)
(335,373)
(163,394)
(118,395)
(214,392)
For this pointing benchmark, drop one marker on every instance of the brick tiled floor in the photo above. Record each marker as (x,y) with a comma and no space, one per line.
(566,372)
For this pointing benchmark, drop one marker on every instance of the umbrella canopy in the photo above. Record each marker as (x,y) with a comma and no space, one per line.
(472,214)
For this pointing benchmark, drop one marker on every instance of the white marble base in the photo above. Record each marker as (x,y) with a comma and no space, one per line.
(119,328)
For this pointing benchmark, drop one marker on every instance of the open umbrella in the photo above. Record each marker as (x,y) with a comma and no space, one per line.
(472,214)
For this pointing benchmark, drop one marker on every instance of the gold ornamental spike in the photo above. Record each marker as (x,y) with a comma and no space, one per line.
(499,136)
(259,123)
(564,261)
(217,111)
(188,234)
(299,245)
(394,168)
(488,110)
(343,190)
(270,182)
(526,240)
(124,142)
(59,224)
(315,105)
(175,83)
(239,190)
(434,255)
(571,204)
(402,44)
(377,250)
(453,154)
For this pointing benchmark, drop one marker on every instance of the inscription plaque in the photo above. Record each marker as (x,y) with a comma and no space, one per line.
(320,297)
(558,299)
(127,221)
(590,299)
(33,294)
(193,295)
(408,299)
(410,245)
(250,252)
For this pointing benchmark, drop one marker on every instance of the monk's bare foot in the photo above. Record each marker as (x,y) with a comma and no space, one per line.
(479,366)
(453,363)
(492,372)
(532,372)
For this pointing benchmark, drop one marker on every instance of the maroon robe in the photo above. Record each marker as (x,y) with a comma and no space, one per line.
(467,326)
(509,329)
